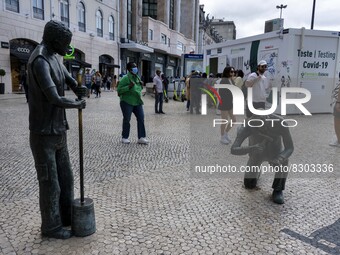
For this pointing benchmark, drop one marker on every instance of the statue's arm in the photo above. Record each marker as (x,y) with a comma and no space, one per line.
(237,148)
(41,71)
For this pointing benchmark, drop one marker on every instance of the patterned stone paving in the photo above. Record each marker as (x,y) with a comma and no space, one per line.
(147,200)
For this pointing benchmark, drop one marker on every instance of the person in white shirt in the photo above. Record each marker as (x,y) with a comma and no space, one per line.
(158,87)
(259,82)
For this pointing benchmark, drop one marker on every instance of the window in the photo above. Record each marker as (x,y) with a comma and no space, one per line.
(99,23)
(208,52)
(180,46)
(219,50)
(150,35)
(168,41)
(237,62)
(64,14)
(129,19)
(111,28)
(38,9)
(172,15)
(81,17)
(12,5)
(150,8)
(163,39)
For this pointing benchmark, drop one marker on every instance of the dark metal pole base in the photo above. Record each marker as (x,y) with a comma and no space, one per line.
(83,219)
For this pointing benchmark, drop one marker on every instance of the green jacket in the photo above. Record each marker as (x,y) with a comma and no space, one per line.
(132,96)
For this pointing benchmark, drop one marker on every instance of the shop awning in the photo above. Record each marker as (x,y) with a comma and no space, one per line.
(136,47)
(110,65)
(78,62)
(23,57)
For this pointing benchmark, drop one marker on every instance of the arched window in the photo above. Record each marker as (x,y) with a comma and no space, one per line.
(81,17)
(99,23)
(111,28)
(64,12)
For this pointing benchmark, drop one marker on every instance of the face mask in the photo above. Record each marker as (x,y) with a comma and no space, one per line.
(134,70)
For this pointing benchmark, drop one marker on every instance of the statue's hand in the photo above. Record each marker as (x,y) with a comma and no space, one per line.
(258,148)
(278,161)
(81,103)
(81,92)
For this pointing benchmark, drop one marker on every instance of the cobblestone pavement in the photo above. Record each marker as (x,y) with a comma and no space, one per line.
(147,201)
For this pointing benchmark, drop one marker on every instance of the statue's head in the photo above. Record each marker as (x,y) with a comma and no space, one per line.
(57,37)
(259,123)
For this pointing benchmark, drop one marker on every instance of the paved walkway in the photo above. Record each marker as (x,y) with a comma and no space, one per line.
(147,199)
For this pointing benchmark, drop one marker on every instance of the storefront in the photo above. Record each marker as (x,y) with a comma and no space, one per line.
(171,67)
(107,66)
(20,51)
(74,61)
(159,62)
(134,52)
(146,63)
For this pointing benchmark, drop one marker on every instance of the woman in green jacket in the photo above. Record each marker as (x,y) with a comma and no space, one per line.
(129,90)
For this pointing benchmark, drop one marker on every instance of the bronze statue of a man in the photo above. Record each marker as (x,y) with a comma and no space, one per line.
(48,125)
(269,142)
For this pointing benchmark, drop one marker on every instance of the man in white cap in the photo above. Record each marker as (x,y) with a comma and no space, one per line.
(259,83)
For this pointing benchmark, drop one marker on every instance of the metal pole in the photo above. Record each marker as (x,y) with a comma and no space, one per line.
(313,12)
(281,7)
(81,155)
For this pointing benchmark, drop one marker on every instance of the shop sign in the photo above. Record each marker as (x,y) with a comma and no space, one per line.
(5,45)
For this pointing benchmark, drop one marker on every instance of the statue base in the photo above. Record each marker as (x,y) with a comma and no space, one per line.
(83,219)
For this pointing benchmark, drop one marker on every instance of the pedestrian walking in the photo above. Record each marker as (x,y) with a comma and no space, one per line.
(130,93)
(158,88)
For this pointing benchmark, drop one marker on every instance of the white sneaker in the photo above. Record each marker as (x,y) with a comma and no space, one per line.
(143,140)
(335,143)
(224,139)
(125,141)
(227,137)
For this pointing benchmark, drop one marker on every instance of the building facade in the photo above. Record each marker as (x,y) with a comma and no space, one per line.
(107,34)
(93,24)
(225,30)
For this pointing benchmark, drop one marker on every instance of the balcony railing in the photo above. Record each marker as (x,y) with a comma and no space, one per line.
(38,13)
(12,5)
(99,32)
(65,20)
(81,26)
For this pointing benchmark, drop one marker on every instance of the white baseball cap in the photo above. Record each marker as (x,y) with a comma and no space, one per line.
(262,63)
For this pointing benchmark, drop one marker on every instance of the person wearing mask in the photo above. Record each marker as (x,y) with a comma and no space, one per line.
(158,88)
(259,82)
(130,93)
(226,107)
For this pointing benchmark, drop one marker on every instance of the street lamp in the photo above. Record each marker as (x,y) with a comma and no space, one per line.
(281,7)
(313,12)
